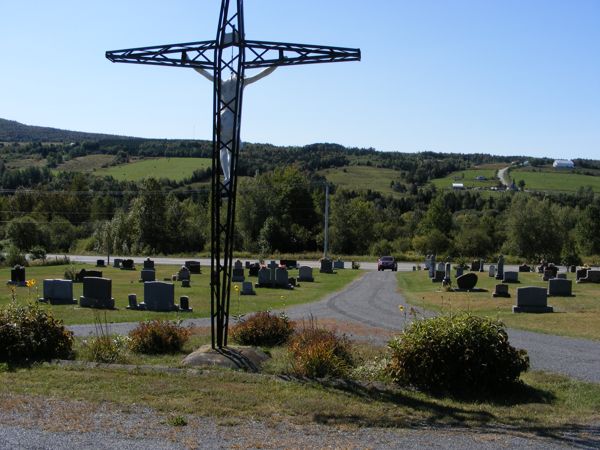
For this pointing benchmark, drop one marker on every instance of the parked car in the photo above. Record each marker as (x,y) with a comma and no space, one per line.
(387,262)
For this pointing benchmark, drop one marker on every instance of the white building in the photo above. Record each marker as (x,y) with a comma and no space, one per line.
(458,186)
(563,164)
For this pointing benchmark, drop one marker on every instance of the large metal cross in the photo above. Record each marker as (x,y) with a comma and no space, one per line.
(227,58)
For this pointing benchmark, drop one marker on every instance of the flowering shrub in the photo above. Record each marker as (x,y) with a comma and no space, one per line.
(105,349)
(317,352)
(29,333)
(158,337)
(262,329)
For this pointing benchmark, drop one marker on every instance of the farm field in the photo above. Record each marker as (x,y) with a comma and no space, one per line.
(88,163)
(176,169)
(468,177)
(126,282)
(549,179)
(576,316)
(363,178)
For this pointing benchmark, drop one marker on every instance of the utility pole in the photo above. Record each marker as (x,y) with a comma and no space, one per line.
(326,243)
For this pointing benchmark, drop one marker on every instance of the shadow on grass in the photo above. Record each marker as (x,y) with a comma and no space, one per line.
(458,414)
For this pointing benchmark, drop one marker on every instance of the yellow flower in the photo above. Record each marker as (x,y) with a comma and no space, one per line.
(30,283)
(236,288)
(401,308)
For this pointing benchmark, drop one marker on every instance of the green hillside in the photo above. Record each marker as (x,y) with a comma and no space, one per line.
(469,179)
(363,178)
(550,179)
(176,169)
(87,163)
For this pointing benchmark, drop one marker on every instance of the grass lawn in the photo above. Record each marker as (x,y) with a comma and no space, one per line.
(467,177)
(546,404)
(363,178)
(577,316)
(549,179)
(175,169)
(125,282)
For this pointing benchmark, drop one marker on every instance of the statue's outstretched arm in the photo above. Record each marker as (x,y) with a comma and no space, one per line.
(205,74)
(260,75)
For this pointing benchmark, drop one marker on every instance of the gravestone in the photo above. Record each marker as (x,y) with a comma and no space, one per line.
(492,271)
(481,265)
(562,276)
(238,272)
(83,273)
(264,277)
(184,304)
(501,290)
(99,263)
(581,273)
(17,276)
(148,264)
(427,262)
(117,263)
(572,269)
(447,279)
(132,302)
(338,264)
(592,276)
(246,264)
(253,270)
(272,267)
(289,263)
(127,264)
(441,267)
(510,277)
(459,271)
(475,265)
(559,287)
(524,268)
(58,292)
(305,273)
(159,296)
(194,267)
(467,281)
(247,288)
(281,278)
(500,268)
(432,266)
(183,274)
(439,276)
(97,293)
(326,266)
(532,299)
(147,275)
(548,274)
(186,283)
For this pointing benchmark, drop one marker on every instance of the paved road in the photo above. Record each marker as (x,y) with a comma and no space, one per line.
(373,301)
(403,266)
(502,176)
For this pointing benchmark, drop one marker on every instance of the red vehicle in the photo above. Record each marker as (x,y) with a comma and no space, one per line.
(387,262)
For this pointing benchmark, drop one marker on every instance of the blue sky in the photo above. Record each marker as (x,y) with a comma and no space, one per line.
(502,77)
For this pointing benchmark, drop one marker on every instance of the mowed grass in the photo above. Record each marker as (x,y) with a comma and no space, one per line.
(468,177)
(549,179)
(87,163)
(126,282)
(363,178)
(577,316)
(546,404)
(176,169)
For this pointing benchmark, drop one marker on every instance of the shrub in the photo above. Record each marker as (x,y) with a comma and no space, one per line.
(456,353)
(263,329)
(317,353)
(37,252)
(70,273)
(158,337)
(29,333)
(105,349)
(15,257)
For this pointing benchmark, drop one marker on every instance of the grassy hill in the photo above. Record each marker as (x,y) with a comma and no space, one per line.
(549,179)
(363,178)
(87,163)
(176,169)
(468,177)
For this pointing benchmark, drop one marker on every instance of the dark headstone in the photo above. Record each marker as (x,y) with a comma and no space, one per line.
(501,290)
(132,300)
(253,270)
(289,263)
(581,273)
(467,281)
(185,283)
(559,287)
(475,265)
(148,275)
(159,296)
(573,269)
(117,263)
(183,274)
(439,276)
(500,268)
(58,292)
(184,303)
(148,264)
(338,264)
(524,268)
(193,266)
(326,266)
(459,271)
(532,300)
(510,277)
(99,263)
(83,273)
(592,276)
(305,273)
(127,264)
(97,293)
(17,275)
(247,288)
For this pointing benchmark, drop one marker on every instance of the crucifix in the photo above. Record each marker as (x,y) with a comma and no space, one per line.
(224,62)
